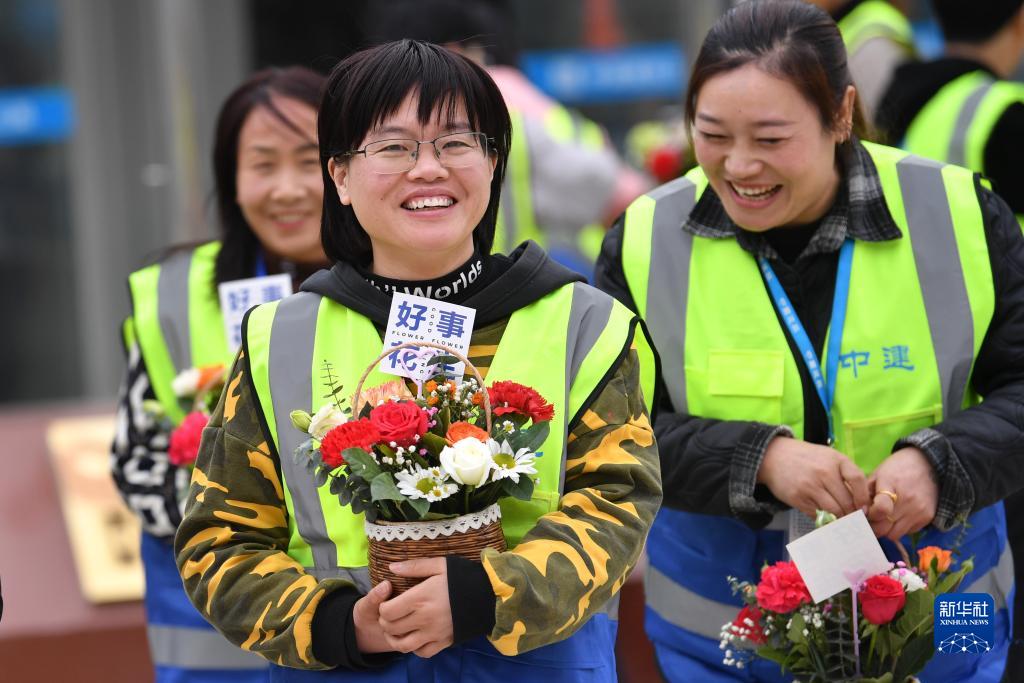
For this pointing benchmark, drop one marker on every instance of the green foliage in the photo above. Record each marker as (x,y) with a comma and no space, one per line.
(531,439)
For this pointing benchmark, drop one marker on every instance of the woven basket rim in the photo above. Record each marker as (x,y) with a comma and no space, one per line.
(389,530)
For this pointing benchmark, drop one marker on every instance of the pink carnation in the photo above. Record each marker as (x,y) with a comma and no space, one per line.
(184,446)
(782,589)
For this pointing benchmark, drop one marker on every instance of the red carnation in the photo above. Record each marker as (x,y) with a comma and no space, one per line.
(748,624)
(881,598)
(782,588)
(400,422)
(184,446)
(512,397)
(355,434)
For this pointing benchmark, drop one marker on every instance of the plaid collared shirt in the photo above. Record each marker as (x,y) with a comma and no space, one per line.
(859,212)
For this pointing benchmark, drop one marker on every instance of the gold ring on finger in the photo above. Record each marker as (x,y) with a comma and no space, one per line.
(891,494)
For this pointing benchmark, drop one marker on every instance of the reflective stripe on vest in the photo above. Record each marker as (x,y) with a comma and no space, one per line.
(193,648)
(744,368)
(176,319)
(997,581)
(875,19)
(288,341)
(682,607)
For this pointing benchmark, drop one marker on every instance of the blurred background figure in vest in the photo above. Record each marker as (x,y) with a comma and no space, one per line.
(878,39)
(565,182)
(961,107)
(268,195)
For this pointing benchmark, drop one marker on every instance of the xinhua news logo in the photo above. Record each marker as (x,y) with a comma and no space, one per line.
(964,623)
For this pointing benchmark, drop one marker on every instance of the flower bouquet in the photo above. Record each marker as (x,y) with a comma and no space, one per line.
(427,471)
(198,391)
(883,635)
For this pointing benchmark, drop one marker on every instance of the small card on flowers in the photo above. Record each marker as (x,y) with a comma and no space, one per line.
(828,556)
(419,319)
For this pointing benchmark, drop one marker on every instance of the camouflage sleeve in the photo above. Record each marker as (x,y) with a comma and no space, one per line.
(568,567)
(232,541)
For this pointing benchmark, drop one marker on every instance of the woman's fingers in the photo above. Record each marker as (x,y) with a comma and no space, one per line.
(856,483)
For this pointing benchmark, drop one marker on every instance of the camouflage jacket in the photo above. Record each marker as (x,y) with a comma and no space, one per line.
(231,545)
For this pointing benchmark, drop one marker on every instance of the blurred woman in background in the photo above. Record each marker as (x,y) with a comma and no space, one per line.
(269,195)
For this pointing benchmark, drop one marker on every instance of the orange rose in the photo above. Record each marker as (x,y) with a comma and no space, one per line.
(925,555)
(393,390)
(463,430)
(210,376)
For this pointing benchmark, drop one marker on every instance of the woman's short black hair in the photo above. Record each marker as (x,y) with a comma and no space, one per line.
(368,87)
(239,245)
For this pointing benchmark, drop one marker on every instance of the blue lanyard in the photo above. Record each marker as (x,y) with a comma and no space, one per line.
(261,266)
(825,386)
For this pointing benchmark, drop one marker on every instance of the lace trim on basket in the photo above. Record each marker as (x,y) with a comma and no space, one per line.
(416,531)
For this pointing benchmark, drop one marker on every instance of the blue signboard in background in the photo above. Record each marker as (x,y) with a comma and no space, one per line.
(34,115)
(636,72)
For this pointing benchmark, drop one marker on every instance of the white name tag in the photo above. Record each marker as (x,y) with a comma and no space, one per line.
(419,319)
(831,558)
(238,296)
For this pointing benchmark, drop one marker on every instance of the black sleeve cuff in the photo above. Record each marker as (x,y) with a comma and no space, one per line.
(471,598)
(334,633)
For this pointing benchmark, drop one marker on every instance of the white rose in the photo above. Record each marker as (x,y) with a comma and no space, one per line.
(911,581)
(326,419)
(468,461)
(186,384)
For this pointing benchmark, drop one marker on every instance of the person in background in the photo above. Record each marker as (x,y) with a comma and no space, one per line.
(961,108)
(911,270)
(878,39)
(565,182)
(268,192)
(414,141)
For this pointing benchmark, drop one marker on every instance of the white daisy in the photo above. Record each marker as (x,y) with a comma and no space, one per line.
(509,464)
(431,484)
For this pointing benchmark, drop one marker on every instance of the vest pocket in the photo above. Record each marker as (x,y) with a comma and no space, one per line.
(869,442)
(746,382)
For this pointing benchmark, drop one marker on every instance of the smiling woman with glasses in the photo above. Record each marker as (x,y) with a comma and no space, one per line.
(278,565)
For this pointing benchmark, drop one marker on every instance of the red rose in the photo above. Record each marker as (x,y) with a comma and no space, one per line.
(184,446)
(881,598)
(748,624)
(782,588)
(400,421)
(512,397)
(355,434)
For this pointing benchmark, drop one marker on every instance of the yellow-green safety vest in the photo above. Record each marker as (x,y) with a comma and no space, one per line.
(918,311)
(176,319)
(564,345)
(517,221)
(875,19)
(956,123)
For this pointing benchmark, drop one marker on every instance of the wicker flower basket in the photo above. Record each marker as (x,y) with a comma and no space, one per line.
(466,535)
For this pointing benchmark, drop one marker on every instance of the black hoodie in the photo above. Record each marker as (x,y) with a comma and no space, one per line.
(508,284)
